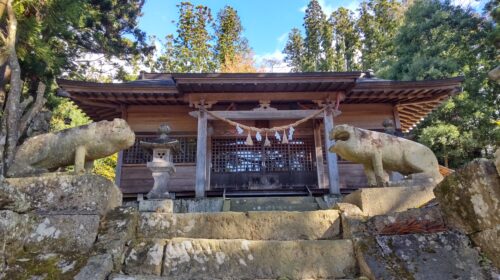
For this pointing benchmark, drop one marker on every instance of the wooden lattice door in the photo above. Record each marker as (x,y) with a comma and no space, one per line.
(238,166)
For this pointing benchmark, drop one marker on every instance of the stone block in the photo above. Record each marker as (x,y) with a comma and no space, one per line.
(97,268)
(381,201)
(117,229)
(348,209)
(418,256)
(145,257)
(489,241)
(323,224)
(243,259)
(62,233)
(64,192)
(470,197)
(116,276)
(157,205)
(202,205)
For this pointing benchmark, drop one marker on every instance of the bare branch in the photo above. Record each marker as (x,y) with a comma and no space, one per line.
(37,106)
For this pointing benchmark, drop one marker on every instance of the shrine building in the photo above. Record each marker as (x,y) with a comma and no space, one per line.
(255,134)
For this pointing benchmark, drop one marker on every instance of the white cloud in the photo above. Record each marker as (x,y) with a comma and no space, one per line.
(466,3)
(276,55)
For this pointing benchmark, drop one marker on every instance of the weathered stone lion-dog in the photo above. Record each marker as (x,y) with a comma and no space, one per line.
(79,146)
(381,152)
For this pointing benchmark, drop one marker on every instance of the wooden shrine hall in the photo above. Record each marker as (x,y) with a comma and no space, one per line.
(225,123)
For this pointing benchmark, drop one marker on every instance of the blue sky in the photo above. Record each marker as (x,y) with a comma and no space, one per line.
(266,22)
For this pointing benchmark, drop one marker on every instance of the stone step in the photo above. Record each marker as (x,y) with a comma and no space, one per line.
(292,203)
(185,258)
(263,225)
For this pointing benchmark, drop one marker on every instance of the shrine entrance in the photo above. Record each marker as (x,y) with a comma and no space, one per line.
(281,165)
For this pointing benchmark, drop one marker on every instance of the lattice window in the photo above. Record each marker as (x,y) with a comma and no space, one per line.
(136,155)
(232,155)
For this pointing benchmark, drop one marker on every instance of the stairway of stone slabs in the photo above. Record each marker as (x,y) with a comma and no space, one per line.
(239,245)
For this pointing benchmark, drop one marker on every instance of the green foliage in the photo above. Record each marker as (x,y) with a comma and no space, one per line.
(439,40)
(347,40)
(52,35)
(294,50)
(313,25)
(445,139)
(343,42)
(192,49)
(230,45)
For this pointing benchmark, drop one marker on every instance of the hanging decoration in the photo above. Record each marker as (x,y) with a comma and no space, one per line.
(290,133)
(277,135)
(240,128)
(285,138)
(249,141)
(258,136)
(267,143)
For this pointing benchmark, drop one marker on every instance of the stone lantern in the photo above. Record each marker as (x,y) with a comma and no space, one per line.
(162,165)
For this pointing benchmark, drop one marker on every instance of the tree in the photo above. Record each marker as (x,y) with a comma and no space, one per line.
(192,46)
(443,138)
(294,51)
(314,20)
(378,23)
(42,39)
(231,47)
(347,40)
(439,40)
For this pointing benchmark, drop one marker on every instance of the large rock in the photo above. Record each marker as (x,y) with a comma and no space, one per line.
(63,192)
(418,256)
(56,233)
(97,268)
(470,197)
(323,224)
(13,199)
(489,241)
(243,259)
(381,201)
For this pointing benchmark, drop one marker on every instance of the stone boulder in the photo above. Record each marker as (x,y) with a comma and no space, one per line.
(62,192)
(446,255)
(470,201)
(11,198)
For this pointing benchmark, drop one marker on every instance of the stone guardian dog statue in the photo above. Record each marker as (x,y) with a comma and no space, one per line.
(79,146)
(380,153)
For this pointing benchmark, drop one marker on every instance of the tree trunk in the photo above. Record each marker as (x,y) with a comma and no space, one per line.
(11,114)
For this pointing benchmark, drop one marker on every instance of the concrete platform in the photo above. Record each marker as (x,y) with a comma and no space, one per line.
(382,201)
(276,225)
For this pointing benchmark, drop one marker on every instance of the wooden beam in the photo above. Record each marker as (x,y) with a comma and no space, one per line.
(320,167)
(263,115)
(256,96)
(331,158)
(201,156)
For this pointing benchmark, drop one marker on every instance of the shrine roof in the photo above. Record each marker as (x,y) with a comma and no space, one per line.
(413,99)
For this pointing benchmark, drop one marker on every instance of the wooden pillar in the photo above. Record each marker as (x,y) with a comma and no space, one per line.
(201,154)
(119,163)
(331,158)
(318,145)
